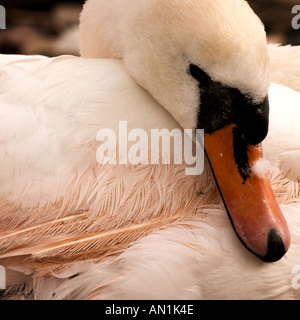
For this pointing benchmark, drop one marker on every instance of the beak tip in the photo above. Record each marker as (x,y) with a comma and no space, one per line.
(276,248)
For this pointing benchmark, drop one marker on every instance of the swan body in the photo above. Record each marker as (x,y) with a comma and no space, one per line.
(287,150)
(284,60)
(193,224)
(39,187)
(86,230)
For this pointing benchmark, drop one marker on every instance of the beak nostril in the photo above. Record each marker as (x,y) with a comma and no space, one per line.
(276,248)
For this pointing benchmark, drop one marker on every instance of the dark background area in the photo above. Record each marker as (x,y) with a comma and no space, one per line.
(50,27)
(277,17)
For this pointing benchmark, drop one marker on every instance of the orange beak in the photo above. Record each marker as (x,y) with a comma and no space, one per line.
(250,202)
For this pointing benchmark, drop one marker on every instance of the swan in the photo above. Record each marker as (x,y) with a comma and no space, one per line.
(85,230)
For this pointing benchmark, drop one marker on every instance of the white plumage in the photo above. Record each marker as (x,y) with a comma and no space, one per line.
(74,229)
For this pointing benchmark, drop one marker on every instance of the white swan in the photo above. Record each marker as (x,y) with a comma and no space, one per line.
(139,231)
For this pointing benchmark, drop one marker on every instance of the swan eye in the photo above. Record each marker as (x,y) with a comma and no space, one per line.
(198,74)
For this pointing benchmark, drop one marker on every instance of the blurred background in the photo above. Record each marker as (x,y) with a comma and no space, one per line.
(50,27)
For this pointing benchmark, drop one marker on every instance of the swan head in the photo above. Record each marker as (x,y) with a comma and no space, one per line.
(159,41)
(206,62)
